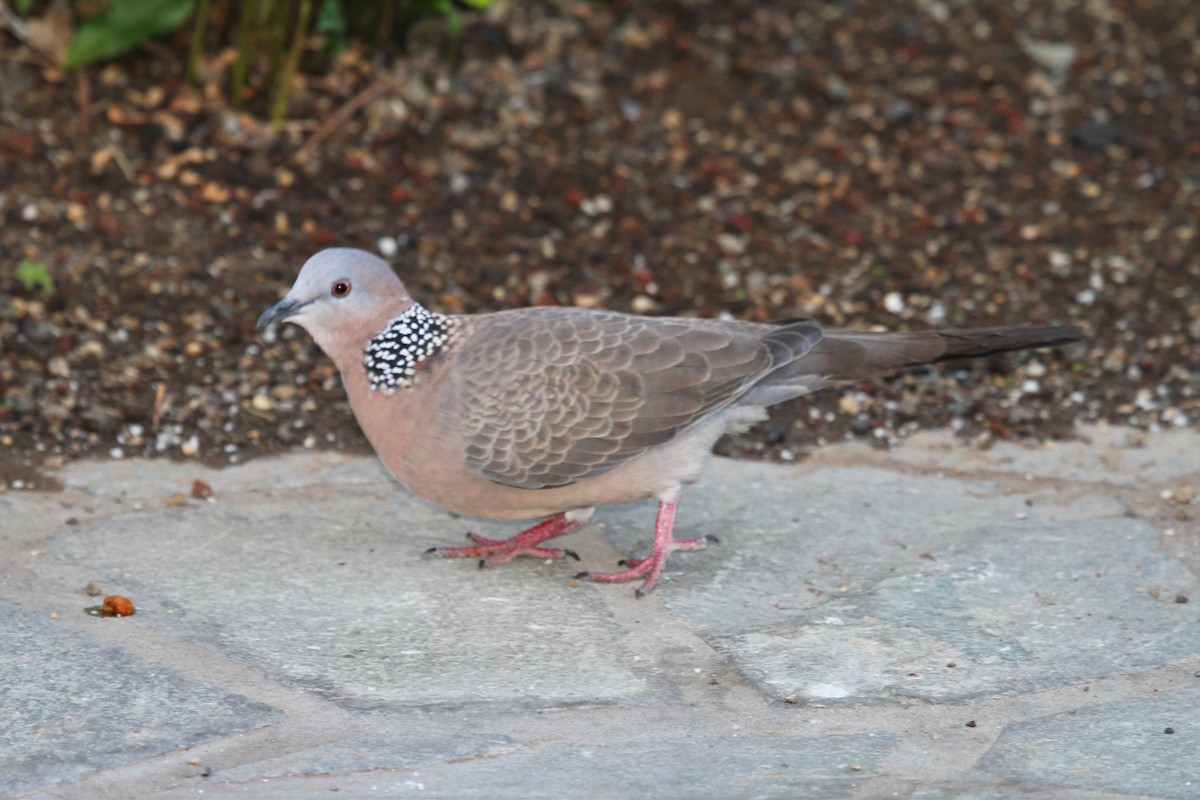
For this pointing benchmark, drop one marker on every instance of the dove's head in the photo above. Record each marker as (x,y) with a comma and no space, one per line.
(341,294)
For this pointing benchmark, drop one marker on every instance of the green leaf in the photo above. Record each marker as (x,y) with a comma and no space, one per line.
(477,4)
(331,22)
(122,25)
(454,22)
(35,276)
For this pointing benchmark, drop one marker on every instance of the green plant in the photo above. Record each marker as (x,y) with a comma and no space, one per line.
(122,25)
(268,36)
(35,276)
(417,10)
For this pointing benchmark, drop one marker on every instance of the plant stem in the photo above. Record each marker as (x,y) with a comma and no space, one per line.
(292,64)
(247,37)
(199,27)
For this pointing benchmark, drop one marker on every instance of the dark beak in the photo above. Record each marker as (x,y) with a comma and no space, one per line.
(287,307)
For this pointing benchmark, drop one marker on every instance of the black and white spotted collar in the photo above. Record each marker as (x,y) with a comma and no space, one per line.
(391,358)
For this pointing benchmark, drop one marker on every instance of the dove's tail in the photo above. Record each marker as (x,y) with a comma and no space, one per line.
(853,354)
(843,355)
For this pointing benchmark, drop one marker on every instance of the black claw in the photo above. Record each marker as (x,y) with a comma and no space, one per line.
(469,535)
(639,593)
(430,551)
(571,553)
(581,575)
(622,563)
(482,563)
(709,537)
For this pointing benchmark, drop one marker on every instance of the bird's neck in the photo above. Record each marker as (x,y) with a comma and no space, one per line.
(396,353)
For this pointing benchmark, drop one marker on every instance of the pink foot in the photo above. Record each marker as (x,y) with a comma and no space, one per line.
(651,566)
(491,552)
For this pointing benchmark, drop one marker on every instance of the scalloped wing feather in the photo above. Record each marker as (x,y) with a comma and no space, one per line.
(548,397)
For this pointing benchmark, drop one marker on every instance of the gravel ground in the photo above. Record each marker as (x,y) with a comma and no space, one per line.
(905,164)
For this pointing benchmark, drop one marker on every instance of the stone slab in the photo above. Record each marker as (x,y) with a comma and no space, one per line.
(1117,747)
(71,706)
(372,753)
(792,539)
(322,588)
(758,767)
(1011,791)
(859,584)
(852,588)
(151,481)
(1103,454)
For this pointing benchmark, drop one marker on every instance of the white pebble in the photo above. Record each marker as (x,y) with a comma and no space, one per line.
(387,246)
(643,305)
(731,244)
(594,206)
(893,302)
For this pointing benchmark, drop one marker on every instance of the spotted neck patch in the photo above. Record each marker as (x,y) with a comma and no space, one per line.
(391,358)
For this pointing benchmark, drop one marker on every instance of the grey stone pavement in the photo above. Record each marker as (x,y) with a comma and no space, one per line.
(936,622)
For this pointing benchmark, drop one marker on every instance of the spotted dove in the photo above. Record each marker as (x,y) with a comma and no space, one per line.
(549,412)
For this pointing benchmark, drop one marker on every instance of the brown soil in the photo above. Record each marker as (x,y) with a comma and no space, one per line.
(905,164)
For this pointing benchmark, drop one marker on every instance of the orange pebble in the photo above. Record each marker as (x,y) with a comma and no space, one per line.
(115,605)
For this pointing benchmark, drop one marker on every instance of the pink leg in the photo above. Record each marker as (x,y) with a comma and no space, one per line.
(651,566)
(491,552)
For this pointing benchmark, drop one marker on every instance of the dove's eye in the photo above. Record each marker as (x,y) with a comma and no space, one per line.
(341,288)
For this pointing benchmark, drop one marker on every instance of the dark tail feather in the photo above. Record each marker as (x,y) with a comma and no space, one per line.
(843,355)
(976,342)
(861,355)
